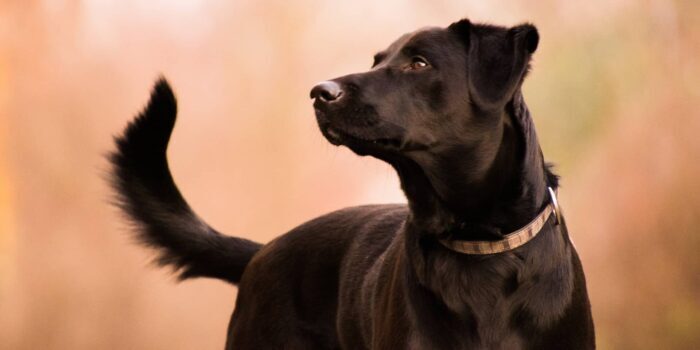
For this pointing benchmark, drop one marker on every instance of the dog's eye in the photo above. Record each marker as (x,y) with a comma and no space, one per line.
(418,62)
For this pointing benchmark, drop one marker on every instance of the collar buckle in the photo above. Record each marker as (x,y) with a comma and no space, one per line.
(555,205)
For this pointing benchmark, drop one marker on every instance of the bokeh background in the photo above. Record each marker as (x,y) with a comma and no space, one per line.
(614,93)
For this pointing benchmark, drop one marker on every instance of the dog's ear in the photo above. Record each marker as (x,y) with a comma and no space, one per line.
(497,59)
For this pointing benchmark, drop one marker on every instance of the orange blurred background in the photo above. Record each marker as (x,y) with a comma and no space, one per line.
(614,93)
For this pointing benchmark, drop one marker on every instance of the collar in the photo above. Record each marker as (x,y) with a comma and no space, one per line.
(512,240)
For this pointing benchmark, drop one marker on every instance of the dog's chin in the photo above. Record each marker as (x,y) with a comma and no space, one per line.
(363,145)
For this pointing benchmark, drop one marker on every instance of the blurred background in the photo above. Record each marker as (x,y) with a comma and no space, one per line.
(613,91)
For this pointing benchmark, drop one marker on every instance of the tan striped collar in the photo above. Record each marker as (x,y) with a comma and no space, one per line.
(511,240)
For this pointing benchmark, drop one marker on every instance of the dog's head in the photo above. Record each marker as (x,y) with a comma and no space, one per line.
(433,97)
(427,91)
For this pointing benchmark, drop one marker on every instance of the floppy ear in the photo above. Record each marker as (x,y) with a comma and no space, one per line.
(497,59)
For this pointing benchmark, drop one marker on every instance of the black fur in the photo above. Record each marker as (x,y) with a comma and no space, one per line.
(147,194)
(443,106)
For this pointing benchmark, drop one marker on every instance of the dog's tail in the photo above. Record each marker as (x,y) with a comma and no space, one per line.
(146,192)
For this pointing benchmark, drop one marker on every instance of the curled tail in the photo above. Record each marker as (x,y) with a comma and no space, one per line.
(147,194)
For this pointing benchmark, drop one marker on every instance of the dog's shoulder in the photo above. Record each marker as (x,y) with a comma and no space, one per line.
(317,248)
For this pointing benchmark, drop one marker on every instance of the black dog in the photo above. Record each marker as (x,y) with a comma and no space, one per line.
(479,259)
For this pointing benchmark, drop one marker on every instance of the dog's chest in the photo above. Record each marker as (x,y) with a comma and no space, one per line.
(482,319)
(510,341)
(481,302)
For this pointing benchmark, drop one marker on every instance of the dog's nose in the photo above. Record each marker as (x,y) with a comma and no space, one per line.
(327,91)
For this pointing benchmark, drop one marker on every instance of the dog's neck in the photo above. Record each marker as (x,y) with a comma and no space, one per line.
(505,194)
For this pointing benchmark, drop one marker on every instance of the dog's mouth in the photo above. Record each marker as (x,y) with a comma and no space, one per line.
(362,145)
(339,137)
(363,131)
